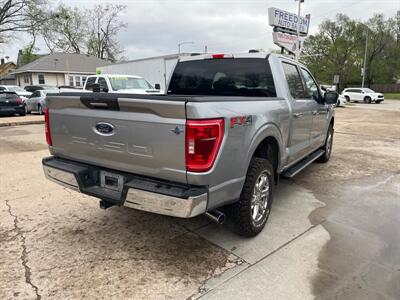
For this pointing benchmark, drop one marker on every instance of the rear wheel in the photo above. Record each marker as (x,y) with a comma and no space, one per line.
(251,212)
(378,101)
(40,109)
(327,147)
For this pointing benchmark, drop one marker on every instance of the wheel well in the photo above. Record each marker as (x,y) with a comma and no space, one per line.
(269,149)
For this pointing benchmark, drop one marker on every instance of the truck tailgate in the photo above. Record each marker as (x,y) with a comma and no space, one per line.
(136,134)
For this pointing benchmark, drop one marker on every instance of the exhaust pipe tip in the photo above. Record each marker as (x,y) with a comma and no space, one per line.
(105,204)
(216,216)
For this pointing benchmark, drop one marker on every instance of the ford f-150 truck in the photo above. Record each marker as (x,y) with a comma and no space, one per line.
(215,143)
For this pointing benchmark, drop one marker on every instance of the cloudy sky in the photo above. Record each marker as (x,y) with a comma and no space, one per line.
(155,27)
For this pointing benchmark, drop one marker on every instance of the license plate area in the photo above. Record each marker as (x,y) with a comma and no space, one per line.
(111,181)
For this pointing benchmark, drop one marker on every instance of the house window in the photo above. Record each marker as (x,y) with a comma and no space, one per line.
(71,80)
(78,80)
(41,79)
(27,79)
(83,80)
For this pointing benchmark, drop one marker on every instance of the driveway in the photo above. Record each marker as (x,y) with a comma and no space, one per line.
(333,231)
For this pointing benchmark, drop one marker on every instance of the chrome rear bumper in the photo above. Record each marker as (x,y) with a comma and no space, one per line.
(166,205)
(80,177)
(63,178)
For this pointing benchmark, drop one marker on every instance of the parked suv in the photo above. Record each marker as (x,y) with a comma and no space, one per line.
(362,94)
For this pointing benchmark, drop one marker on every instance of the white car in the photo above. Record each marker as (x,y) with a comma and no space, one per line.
(16,89)
(125,84)
(341,101)
(362,94)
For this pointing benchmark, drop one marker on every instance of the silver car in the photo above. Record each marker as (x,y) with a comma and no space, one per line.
(37,101)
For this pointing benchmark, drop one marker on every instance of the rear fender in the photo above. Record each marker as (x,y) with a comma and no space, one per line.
(268,130)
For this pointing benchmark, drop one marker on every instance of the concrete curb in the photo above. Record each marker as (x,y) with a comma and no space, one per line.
(16,123)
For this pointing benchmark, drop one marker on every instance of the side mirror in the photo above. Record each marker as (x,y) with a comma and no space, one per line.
(331,97)
(96,88)
(157,86)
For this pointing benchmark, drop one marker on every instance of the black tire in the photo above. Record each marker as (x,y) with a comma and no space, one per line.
(367,100)
(40,110)
(347,98)
(327,147)
(242,211)
(378,101)
(22,114)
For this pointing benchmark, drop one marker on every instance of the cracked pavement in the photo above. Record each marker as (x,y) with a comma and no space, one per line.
(332,234)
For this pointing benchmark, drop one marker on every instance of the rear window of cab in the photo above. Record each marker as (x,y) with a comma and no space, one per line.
(249,77)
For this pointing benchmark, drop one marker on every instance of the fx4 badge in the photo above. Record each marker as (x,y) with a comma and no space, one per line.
(241,121)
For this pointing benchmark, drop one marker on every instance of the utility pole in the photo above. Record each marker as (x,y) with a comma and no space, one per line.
(297,54)
(365,60)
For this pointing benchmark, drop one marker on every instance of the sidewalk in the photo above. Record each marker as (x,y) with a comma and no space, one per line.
(17,120)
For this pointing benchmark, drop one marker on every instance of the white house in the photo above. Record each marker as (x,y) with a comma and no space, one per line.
(58,69)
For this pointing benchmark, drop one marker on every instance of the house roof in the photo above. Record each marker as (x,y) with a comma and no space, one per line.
(4,67)
(63,63)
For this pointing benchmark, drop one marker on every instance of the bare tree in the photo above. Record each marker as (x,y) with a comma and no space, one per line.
(67,31)
(104,26)
(19,16)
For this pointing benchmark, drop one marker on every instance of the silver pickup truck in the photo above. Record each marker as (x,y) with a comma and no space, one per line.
(215,143)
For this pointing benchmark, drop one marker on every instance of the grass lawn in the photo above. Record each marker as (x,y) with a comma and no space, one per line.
(395,96)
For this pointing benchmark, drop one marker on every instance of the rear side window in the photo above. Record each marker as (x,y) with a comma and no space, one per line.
(294,81)
(8,96)
(250,77)
(90,82)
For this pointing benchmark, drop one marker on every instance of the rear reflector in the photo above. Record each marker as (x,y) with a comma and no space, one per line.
(203,140)
(47,126)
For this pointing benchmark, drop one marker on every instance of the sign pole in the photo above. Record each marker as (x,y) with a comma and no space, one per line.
(297,54)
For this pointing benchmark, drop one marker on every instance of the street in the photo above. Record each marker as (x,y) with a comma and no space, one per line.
(333,231)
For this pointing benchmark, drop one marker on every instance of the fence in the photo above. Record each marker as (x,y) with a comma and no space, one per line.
(386,88)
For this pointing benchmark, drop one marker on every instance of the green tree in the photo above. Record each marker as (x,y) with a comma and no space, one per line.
(333,50)
(338,48)
(379,51)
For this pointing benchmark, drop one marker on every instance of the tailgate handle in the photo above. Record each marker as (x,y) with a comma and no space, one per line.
(100,101)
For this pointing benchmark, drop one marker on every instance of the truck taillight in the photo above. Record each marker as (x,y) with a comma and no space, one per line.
(47,126)
(203,140)
(216,56)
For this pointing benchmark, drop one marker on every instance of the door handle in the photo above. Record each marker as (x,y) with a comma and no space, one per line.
(298,115)
(315,112)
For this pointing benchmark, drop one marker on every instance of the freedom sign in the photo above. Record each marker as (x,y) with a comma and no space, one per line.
(287,20)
